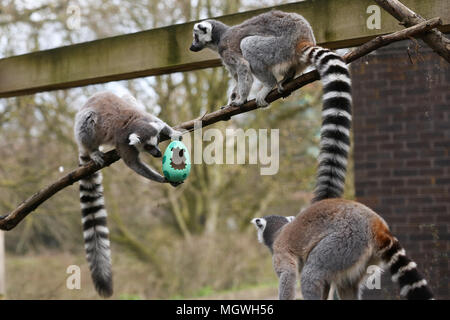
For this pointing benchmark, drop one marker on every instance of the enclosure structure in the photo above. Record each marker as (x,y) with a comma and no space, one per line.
(165,50)
(402,152)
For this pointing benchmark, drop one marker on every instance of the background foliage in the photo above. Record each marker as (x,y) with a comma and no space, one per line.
(193,241)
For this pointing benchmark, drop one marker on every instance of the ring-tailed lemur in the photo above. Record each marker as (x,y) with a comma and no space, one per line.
(332,243)
(106,119)
(279,44)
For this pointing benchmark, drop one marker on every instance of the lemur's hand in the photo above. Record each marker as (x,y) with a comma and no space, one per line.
(235,99)
(233,96)
(97,157)
(176,135)
(173,184)
(176,184)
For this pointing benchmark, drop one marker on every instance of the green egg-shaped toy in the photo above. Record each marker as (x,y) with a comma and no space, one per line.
(176,163)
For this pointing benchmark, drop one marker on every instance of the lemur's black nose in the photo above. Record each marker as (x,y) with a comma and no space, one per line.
(156,152)
(194,48)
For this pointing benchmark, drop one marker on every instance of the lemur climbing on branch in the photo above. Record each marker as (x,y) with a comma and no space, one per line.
(280,45)
(107,119)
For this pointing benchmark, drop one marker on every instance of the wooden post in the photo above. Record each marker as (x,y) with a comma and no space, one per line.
(2,266)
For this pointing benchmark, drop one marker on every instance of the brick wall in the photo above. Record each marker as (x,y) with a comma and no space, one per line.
(402,153)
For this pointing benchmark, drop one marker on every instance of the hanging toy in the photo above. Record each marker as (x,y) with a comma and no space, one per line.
(176,163)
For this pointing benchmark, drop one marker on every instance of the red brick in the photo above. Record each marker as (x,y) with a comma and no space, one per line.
(404,142)
(431,171)
(407,191)
(392,182)
(405,172)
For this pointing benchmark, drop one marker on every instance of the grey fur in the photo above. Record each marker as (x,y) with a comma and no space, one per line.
(331,244)
(106,119)
(264,46)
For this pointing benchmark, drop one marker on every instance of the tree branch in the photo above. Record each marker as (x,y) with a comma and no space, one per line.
(380,41)
(10,220)
(435,39)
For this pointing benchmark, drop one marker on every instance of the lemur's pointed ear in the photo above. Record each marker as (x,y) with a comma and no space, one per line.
(291,218)
(259,222)
(134,139)
(202,28)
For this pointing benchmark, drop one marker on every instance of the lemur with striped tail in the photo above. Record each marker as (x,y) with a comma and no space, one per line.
(280,45)
(333,241)
(107,119)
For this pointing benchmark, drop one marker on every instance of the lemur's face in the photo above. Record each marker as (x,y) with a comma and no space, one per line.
(269,223)
(150,145)
(153,150)
(202,36)
(260,224)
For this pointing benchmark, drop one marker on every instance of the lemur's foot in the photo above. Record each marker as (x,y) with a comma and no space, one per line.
(98,158)
(261,100)
(237,103)
(280,87)
(281,90)
(233,96)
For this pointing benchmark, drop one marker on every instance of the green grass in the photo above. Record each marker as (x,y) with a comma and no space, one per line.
(208,292)
(224,269)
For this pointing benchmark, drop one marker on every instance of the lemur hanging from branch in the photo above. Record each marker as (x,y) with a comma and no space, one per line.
(333,241)
(106,119)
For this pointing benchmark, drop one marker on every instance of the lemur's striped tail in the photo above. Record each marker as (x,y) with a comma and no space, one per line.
(412,284)
(336,121)
(95,231)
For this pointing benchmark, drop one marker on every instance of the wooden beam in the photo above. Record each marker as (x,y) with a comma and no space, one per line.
(336,23)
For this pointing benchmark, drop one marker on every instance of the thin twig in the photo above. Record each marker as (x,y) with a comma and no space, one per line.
(384,40)
(435,39)
(11,220)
